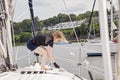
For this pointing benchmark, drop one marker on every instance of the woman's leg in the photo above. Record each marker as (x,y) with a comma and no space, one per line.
(43,52)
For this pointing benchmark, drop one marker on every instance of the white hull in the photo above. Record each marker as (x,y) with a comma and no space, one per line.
(97,47)
(32,74)
(82,48)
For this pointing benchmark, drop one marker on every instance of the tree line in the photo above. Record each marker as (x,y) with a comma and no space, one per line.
(22,30)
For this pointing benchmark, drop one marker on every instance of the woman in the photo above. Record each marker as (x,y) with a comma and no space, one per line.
(42,44)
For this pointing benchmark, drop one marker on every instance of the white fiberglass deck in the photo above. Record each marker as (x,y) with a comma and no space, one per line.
(30,74)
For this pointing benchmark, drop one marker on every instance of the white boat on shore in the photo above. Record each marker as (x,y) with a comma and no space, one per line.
(86,48)
(96,48)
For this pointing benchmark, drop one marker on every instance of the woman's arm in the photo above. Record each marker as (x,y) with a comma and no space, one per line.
(50,56)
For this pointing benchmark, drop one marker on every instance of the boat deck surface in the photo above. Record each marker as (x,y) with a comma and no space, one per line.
(29,73)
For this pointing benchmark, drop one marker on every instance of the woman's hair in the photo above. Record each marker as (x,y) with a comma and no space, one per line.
(59,35)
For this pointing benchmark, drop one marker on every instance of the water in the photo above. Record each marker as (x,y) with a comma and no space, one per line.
(96,62)
(68,59)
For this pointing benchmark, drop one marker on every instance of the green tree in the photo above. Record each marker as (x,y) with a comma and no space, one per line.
(24,36)
(73,17)
(63,18)
(17,38)
(81,17)
(26,25)
(17,27)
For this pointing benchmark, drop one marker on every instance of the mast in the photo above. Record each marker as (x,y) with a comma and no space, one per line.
(105,40)
(118,55)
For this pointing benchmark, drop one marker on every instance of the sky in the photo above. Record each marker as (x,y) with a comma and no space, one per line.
(45,9)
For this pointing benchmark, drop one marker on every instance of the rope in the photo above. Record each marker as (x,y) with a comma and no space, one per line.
(13,33)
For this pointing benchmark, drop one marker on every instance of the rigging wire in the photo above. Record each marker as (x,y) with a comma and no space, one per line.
(15,65)
(84,65)
(13,34)
(90,20)
(80,55)
(70,19)
(89,72)
(22,15)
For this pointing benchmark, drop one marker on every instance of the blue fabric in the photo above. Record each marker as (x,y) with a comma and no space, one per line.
(31,46)
(43,39)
